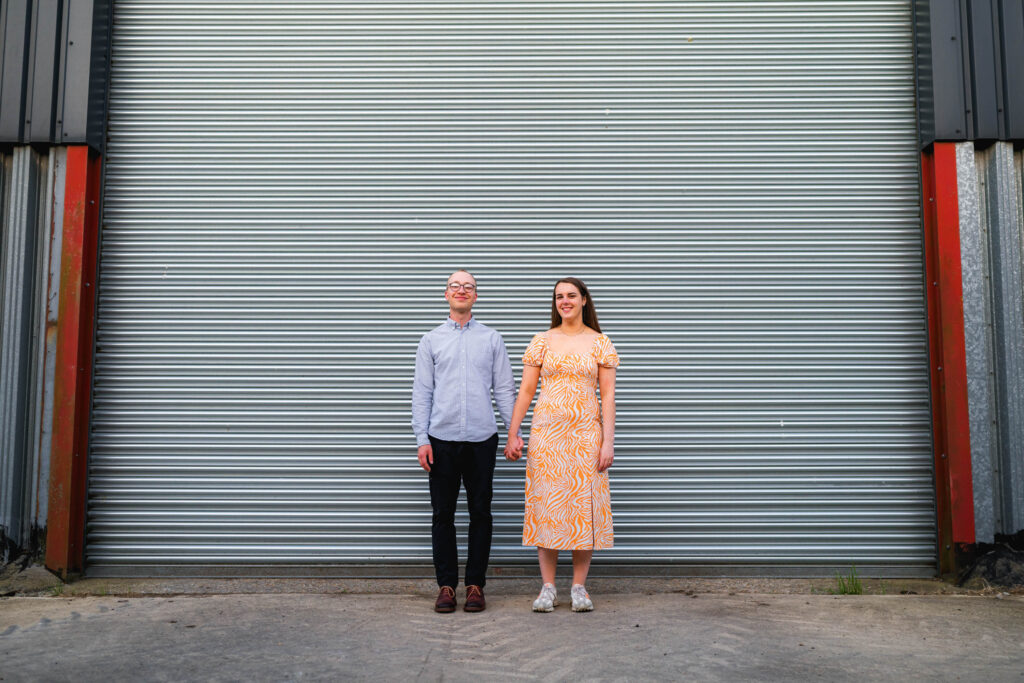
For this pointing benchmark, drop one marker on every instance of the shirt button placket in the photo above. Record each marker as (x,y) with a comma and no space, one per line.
(464,379)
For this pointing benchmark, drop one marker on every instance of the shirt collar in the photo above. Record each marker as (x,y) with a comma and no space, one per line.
(454,325)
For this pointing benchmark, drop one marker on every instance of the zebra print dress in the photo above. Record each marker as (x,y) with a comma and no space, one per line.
(568,505)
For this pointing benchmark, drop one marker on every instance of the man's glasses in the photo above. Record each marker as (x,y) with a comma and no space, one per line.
(456,286)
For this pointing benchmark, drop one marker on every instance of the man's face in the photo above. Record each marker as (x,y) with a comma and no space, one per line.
(460,291)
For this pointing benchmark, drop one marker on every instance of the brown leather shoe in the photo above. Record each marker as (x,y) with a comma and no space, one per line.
(474,599)
(445,600)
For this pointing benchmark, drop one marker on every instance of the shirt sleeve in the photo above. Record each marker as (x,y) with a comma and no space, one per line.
(534,354)
(503,383)
(606,355)
(422,392)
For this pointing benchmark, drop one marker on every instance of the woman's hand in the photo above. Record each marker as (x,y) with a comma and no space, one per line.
(513,447)
(607,456)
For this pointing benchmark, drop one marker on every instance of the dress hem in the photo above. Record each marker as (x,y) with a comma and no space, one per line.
(548,547)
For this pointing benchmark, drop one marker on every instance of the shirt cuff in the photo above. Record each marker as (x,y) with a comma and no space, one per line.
(422,440)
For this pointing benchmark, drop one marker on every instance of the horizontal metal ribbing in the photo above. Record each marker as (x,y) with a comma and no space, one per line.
(288,187)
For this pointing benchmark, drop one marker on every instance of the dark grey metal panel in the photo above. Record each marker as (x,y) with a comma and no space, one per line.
(14,29)
(82,109)
(76,67)
(41,93)
(54,71)
(99,74)
(984,78)
(940,70)
(923,71)
(970,59)
(1012,26)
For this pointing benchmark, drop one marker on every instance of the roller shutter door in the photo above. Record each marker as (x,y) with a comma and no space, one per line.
(289,184)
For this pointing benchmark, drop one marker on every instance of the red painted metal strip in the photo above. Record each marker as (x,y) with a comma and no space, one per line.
(954,486)
(954,352)
(69,446)
(83,383)
(943,517)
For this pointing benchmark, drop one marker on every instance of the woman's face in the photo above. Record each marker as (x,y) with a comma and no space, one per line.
(569,302)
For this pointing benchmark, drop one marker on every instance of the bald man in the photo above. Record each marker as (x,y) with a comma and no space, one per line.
(459,365)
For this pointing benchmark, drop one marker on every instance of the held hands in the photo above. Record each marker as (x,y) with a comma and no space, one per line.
(513,447)
(607,456)
(426,455)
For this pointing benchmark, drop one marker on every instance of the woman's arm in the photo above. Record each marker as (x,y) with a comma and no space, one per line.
(606,382)
(527,388)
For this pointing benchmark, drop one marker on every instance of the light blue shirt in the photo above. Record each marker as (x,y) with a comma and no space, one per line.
(457,368)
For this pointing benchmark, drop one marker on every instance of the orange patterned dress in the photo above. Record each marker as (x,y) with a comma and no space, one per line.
(568,505)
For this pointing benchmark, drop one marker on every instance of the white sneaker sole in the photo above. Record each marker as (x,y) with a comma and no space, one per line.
(546,609)
(583,608)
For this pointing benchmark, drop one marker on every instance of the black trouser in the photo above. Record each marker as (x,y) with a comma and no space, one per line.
(473,463)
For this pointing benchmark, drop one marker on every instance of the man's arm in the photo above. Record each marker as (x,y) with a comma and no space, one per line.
(502,382)
(422,392)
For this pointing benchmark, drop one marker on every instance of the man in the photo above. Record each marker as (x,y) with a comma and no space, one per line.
(458,365)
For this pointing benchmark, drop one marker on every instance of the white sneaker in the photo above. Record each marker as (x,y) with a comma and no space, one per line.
(547,599)
(581,600)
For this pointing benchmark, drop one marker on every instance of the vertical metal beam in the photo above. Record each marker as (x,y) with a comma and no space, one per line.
(1005,228)
(977,313)
(948,363)
(46,334)
(69,446)
(954,354)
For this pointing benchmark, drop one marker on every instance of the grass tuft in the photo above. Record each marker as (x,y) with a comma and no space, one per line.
(849,584)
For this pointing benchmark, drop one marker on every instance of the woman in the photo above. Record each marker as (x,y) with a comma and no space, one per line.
(572,440)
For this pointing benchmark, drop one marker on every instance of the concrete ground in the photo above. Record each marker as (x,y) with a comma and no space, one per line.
(702,629)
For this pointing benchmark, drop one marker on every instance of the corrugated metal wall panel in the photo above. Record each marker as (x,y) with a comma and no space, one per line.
(288,187)
(21,185)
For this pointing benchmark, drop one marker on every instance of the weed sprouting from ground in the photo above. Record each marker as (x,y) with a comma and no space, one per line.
(849,584)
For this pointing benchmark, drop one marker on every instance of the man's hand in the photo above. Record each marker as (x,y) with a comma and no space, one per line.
(513,447)
(426,455)
(606,458)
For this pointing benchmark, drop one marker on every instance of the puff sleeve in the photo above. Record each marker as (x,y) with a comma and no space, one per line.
(534,354)
(606,355)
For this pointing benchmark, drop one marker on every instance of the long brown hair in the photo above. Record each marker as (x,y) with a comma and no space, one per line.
(589,312)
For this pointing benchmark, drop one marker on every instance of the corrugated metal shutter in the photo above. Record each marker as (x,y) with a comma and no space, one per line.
(288,186)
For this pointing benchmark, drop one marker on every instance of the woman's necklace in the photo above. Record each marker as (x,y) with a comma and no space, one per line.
(574,334)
